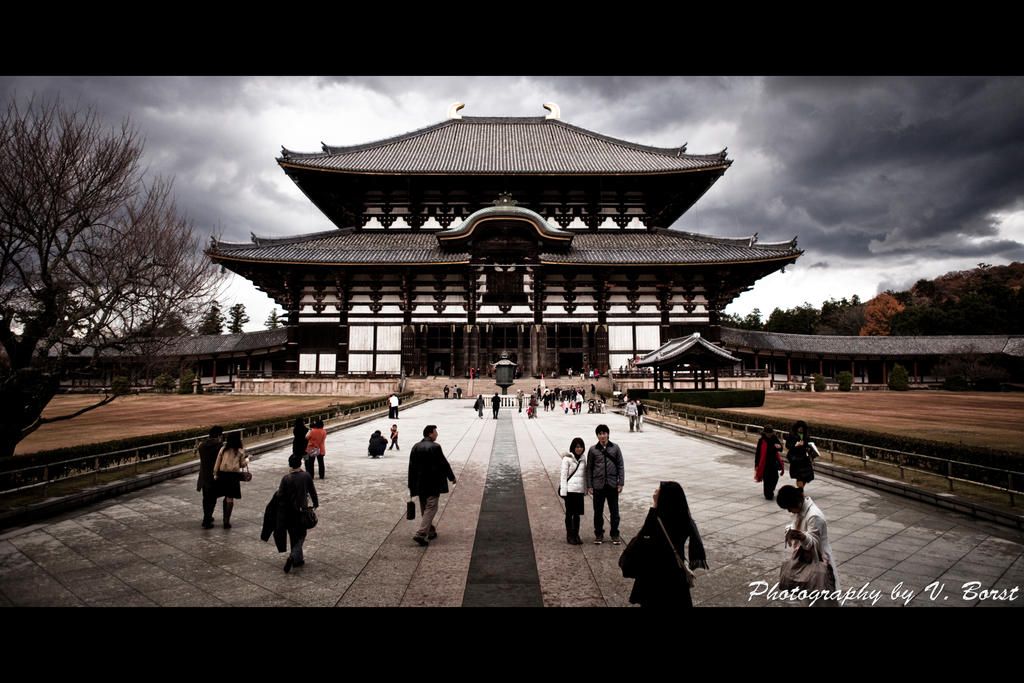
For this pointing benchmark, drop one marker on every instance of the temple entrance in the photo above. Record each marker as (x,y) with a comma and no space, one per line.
(439,364)
(570,361)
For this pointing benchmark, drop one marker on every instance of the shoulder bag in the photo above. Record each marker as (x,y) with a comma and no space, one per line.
(680,562)
(805,569)
(308,514)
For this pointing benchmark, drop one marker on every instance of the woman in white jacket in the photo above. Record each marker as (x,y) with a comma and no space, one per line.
(809,530)
(572,488)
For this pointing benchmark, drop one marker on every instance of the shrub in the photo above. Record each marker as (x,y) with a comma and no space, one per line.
(819,382)
(120,385)
(164,383)
(845,379)
(186,383)
(956,383)
(899,378)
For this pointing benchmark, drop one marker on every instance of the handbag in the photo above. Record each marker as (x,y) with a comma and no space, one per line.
(308,514)
(245,475)
(410,510)
(805,569)
(313,452)
(634,557)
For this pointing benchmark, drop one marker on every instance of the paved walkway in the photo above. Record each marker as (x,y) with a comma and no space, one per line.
(146,548)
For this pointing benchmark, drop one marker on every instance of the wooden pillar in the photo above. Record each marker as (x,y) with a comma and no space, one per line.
(214,373)
(917,377)
(410,350)
(821,367)
(716,377)
(885,379)
(789,369)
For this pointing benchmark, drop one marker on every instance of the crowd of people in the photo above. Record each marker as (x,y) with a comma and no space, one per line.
(660,558)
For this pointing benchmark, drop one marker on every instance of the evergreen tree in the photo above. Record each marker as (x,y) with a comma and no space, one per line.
(238,318)
(213,321)
(274,320)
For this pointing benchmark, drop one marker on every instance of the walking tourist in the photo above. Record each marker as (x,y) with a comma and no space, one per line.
(799,454)
(479,405)
(446,390)
(808,534)
(378,444)
(394,438)
(519,399)
(429,474)
(299,433)
(605,477)
(768,461)
(640,412)
(495,405)
(534,404)
(655,557)
(316,447)
(227,472)
(572,488)
(631,414)
(208,451)
(295,494)
(393,410)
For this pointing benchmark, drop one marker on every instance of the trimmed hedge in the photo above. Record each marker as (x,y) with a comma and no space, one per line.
(968,455)
(723,398)
(143,442)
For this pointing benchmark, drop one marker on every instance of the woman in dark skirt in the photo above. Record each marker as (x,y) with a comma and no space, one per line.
(799,454)
(572,487)
(660,581)
(227,473)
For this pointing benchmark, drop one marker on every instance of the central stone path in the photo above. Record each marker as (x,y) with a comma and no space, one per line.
(503,567)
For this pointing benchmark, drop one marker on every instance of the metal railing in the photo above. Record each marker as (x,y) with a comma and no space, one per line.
(994,478)
(42,477)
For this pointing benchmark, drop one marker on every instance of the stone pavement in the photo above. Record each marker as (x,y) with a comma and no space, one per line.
(146,548)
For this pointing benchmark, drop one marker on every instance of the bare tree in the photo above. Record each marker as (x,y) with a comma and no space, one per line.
(92,258)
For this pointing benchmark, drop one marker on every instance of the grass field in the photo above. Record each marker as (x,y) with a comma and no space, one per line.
(973,418)
(153,414)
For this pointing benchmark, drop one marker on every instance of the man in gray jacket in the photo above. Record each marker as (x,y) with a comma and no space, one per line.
(604,477)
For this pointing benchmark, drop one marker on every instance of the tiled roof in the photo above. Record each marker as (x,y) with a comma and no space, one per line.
(873,346)
(608,246)
(206,344)
(683,346)
(503,145)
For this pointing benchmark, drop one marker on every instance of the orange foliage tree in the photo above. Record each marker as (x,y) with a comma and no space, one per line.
(877,314)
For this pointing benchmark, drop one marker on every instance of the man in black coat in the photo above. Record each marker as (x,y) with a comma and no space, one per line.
(208,451)
(495,405)
(429,474)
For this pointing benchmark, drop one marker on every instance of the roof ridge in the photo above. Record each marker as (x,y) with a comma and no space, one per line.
(348,149)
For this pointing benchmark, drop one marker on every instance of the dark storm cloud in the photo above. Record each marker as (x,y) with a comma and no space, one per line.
(864,168)
(909,163)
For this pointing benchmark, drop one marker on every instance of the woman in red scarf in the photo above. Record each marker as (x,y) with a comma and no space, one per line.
(768,461)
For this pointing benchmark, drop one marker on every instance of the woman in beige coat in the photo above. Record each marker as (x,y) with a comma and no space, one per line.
(227,473)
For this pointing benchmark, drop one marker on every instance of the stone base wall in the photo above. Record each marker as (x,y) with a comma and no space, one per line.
(316,387)
(754,383)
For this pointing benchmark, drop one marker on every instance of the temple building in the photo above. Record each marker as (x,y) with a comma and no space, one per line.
(480,235)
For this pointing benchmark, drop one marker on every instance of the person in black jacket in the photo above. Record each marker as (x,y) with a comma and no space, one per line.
(660,580)
(799,454)
(605,476)
(495,405)
(768,461)
(299,432)
(296,488)
(429,474)
(378,444)
(208,451)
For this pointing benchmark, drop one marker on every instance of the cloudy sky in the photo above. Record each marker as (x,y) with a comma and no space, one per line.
(884,180)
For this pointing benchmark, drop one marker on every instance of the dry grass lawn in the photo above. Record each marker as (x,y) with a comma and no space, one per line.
(153,414)
(973,418)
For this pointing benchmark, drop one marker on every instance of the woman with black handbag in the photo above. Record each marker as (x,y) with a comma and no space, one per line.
(655,555)
(294,498)
(572,487)
(228,473)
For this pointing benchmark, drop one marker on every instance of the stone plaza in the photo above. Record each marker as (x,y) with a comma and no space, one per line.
(501,538)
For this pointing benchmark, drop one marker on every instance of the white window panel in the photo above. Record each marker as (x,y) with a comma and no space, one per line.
(328,363)
(619,360)
(360,362)
(360,338)
(620,338)
(648,337)
(391,362)
(307,363)
(389,338)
